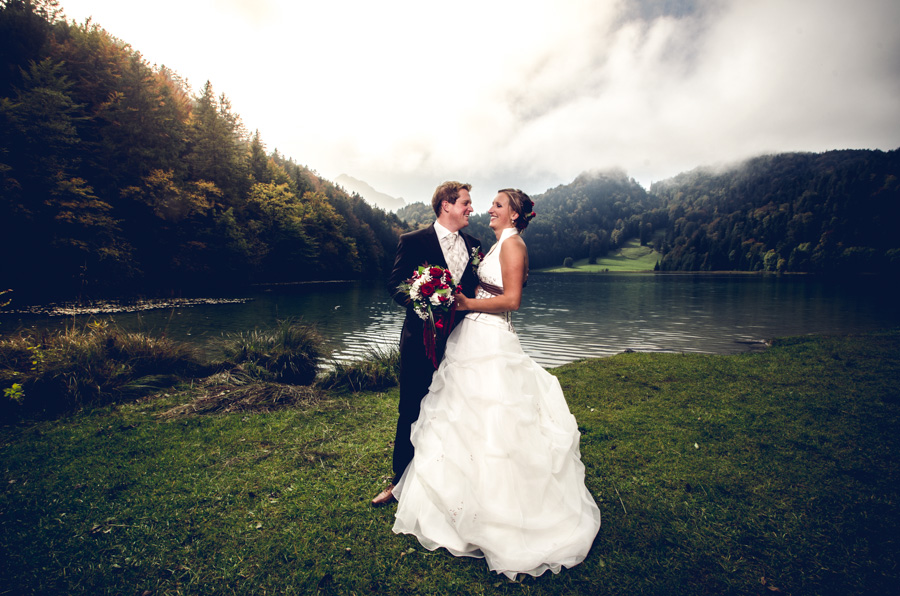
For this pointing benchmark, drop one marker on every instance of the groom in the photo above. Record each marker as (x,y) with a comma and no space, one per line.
(440,244)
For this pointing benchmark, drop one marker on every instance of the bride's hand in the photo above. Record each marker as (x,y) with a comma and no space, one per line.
(462,302)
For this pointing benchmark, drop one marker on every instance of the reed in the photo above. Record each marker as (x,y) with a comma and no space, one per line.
(49,372)
(289,353)
(379,370)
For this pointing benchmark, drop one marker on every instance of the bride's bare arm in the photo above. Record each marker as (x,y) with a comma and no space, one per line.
(514,267)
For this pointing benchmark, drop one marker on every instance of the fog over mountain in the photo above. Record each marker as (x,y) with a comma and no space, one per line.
(372,196)
(530,94)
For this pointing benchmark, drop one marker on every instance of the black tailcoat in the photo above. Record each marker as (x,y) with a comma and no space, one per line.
(415,249)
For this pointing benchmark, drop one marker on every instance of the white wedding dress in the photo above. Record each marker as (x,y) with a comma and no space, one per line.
(497,470)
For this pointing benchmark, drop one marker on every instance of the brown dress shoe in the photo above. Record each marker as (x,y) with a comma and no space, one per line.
(384,497)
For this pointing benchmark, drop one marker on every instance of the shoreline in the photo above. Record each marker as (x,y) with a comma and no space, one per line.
(104,307)
(575,270)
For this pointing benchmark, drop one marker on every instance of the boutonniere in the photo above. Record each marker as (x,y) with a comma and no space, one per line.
(477,256)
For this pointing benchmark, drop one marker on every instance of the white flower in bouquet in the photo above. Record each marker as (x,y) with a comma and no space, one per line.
(415,292)
(431,291)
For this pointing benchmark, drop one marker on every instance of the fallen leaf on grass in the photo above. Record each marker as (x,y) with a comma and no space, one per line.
(768,586)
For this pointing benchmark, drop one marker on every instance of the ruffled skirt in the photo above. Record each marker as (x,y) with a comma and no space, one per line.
(497,471)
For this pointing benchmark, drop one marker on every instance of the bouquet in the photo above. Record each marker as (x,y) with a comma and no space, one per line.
(431,291)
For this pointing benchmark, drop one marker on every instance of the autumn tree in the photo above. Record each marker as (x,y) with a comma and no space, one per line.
(63,228)
(217,149)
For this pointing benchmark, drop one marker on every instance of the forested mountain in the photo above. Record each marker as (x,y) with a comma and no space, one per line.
(834,212)
(113,178)
(416,214)
(597,212)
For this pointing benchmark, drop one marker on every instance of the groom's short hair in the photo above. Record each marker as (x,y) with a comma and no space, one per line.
(448,191)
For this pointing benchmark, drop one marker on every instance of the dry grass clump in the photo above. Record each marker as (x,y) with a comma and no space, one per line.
(257,397)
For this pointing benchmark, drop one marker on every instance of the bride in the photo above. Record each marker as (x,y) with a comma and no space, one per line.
(497,470)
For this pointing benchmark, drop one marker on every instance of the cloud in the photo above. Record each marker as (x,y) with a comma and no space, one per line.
(406,94)
(658,92)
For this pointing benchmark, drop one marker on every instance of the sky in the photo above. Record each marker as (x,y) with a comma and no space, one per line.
(529,93)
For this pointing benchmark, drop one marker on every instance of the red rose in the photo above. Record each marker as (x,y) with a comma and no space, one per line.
(435,272)
(426,290)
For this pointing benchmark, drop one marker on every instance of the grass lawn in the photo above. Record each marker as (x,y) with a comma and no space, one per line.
(631,257)
(760,473)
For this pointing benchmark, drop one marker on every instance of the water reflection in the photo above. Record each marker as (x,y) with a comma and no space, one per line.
(563,317)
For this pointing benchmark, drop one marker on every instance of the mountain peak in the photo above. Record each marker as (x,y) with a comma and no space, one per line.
(369,194)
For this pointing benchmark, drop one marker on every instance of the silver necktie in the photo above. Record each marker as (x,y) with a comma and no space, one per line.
(454,258)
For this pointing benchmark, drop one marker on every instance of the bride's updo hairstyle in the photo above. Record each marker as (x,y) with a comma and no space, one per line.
(521,204)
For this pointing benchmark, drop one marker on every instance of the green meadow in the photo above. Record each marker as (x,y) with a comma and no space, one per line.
(631,257)
(760,473)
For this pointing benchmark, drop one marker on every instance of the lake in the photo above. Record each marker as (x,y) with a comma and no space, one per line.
(564,317)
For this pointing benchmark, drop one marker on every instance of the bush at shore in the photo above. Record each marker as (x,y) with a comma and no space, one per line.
(378,371)
(50,372)
(289,353)
(47,373)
